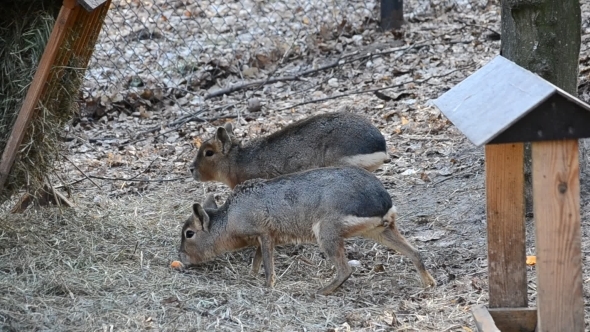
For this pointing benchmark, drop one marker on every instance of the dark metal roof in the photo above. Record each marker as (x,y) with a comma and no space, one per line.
(503,102)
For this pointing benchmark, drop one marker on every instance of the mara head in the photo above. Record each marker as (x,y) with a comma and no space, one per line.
(196,241)
(211,161)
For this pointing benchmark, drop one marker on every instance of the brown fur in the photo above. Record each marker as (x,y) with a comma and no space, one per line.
(331,139)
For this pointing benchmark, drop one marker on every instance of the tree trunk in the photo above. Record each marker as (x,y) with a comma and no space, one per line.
(544,37)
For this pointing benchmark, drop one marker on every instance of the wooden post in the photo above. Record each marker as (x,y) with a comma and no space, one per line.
(556,199)
(392,14)
(64,20)
(505,225)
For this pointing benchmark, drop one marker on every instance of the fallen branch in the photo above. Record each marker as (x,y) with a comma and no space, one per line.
(176,128)
(339,62)
(144,170)
(313,101)
(184,119)
(66,185)
(134,178)
(137,180)
(79,170)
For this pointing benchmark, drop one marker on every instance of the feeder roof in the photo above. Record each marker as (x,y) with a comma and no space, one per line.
(503,102)
(91,5)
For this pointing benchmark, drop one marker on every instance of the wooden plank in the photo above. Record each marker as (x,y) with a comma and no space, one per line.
(90,5)
(506,225)
(556,199)
(64,20)
(515,319)
(93,35)
(483,320)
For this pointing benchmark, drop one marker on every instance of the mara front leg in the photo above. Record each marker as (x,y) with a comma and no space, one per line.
(267,248)
(257,261)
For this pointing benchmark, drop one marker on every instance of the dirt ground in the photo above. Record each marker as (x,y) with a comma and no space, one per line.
(104,264)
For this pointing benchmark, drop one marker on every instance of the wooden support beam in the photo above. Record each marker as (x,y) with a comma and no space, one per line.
(505,225)
(556,199)
(64,20)
(483,320)
(93,35)
(515,319)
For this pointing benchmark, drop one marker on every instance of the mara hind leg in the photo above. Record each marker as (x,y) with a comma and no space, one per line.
(391,237)
(332,244)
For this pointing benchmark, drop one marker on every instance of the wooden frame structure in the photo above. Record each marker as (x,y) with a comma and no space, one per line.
(79,23)
(503,105)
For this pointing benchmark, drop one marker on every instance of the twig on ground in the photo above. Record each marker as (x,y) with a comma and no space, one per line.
(356,92)
(72,183)
(425,138)
(134,178)
(184,119)
(79,170)
(176,128)
(145,169)
(339,62)
(137,180)
(454,175)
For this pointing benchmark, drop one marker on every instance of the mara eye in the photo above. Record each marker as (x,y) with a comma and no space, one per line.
(189,234)
(209,153)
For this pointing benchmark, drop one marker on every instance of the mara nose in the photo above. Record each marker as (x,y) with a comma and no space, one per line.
(183,258)
(192,169)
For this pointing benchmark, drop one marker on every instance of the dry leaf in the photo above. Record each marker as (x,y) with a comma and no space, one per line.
(531,260)
(250,72)
(143,113)
(197,141)
(405,120)
(114,160)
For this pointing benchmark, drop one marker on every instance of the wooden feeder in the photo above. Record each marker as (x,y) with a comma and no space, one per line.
(503,105)
(79,21)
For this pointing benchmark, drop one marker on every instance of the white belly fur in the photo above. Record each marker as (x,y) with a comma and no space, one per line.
(369,162)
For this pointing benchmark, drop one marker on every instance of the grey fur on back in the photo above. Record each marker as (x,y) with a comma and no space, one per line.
(326,137)
(330,139)
(308,196)
(354,133)
(322,205)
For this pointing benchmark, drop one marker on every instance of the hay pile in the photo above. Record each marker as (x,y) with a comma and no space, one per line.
(105,267)
(25,27)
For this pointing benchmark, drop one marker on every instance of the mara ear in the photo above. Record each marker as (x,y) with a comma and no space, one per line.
(223,137)
(201,216)
(229,128)
(209,202)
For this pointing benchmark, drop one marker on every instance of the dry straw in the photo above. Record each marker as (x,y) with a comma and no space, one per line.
(25,27)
